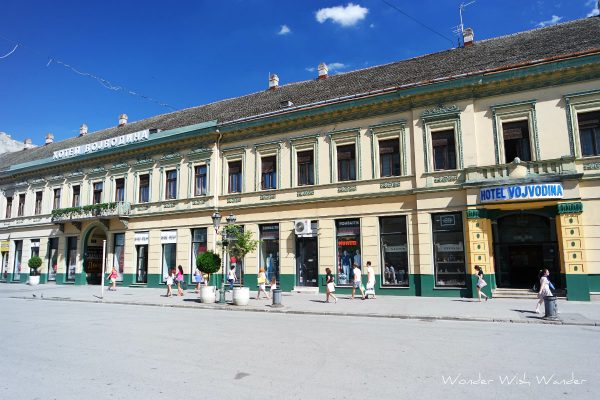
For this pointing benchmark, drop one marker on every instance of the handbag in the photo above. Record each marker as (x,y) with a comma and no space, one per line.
(261,279)
(331,287)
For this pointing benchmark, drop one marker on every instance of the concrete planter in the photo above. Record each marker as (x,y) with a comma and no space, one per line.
(208,294)
(34,280)
(241,296)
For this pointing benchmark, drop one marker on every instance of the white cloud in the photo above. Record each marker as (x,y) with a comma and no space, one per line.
(310,69)
(372,26)
(594,11)
(552,21)
(345,16)
(336,66)
(285,30)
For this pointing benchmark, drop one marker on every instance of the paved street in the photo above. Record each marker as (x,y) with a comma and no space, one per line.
(75,350)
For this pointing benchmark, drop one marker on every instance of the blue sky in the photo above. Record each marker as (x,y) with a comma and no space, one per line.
(188,53)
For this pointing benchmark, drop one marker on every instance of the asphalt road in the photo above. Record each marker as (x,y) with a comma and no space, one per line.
(68,350)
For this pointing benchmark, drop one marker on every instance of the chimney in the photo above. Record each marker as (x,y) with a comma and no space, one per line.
(322,71)
(273,82)
(122,119)
(27,142)
(468,37)
(49,138)
(83,130)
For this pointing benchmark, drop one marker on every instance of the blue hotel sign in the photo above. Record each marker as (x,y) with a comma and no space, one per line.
(535,191)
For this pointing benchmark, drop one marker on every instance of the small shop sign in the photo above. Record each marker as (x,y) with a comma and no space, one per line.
(538,191)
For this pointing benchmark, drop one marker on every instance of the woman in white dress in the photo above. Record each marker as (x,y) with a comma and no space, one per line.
(544,289)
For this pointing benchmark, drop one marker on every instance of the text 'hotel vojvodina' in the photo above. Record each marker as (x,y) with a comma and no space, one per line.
(487,154)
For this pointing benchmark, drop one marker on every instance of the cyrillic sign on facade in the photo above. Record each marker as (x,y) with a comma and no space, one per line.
(535,191)
(101,145)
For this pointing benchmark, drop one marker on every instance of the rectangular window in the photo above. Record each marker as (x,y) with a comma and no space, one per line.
(306,168)
(17,261)
(389,157)
(199,246)
(21,209)
(448,250)
(98,187)
(268,173)
(9,201)
(144,190)
(589,133)
(38,203)
(76,196)
(394,251)
(71,258)
(516,141)
(269,251)
(141,252)
(169,259)
(52,258)
(171,187)
(235,177)
(200,180)
(444,150)
(120,189)
(346,161)
(56,199)
(119,255)
(347,235)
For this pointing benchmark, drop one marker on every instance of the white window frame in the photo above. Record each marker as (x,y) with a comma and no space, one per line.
(262,151)
(575,104)
(344,138)
(514,112)
(388,131)
(233,155)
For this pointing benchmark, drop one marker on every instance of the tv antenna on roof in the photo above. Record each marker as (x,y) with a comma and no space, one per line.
(461,28)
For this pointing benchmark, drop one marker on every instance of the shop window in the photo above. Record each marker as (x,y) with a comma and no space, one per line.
(120,189)
(200,180)
(448,250)
(56,199)
(347,234)
(389,157)
(141,253)
(444,150)
(21,208)
(235,177)
(346,158)
(97,197)
(516,141)
(52,258)
(394,251)
(76,196)
(268,173)
(171,185)
(38,203)
(17,261)
(144,189)
(199,246)
(119,254)
(269,251)
(71,258)
(9,201)
(169,251)
(589,133)
(306,168)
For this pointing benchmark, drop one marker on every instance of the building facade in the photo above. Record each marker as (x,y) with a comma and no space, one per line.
(484,155)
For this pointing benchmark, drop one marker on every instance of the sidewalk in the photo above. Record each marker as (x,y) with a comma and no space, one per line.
(441,308)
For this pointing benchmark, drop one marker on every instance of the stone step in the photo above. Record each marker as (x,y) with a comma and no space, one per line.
(507,293)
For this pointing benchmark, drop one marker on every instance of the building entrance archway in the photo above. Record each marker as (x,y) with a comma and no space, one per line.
(524,243)
(92,255)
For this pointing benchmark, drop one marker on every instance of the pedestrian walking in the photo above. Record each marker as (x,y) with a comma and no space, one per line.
(231,276)
(357,281)
(330,286)
(481,283)
(199,279)
(113,279)
(179,280)
(262,284)
(169,281)
(544,289)
(370,281)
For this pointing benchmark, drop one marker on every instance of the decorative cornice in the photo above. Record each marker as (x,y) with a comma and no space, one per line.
(56,178)
(97,171)
(440,112)
(37,181)
(119,166)
(144,161)
(528,103)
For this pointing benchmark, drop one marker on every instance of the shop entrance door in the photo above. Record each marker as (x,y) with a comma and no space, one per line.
(523,244)
(4,274)
(307,261)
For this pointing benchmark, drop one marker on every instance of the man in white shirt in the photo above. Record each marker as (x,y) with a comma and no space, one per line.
(357,281)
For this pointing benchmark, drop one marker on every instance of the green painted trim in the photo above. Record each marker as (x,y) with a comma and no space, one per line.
(578,287)
(477,213)
(490,279)
(43,278)
(80,278)
(594,282)
(426,287)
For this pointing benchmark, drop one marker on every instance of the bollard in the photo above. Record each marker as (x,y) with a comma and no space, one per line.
(551,308)
(277,298)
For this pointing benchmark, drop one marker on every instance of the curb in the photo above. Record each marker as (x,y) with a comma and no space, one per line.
(285,310)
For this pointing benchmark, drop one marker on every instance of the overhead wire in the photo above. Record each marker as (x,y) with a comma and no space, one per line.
(10,52)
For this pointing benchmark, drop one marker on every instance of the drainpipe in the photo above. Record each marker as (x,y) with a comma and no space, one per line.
(216,181)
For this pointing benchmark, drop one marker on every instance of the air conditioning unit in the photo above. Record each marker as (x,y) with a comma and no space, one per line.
(302,227)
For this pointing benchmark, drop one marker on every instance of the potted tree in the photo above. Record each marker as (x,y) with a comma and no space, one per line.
(241,244)
(34,276)
(208,263)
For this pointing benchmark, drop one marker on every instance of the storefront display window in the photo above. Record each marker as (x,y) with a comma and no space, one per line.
(448,250)
(168,240)
(348,249)
(199,246)
(71,258)
(394,251)
(52,258)
(269,251)
(17,264)
(119,254)
(141,240)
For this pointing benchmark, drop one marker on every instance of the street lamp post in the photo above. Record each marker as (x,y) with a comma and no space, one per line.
(216,217)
